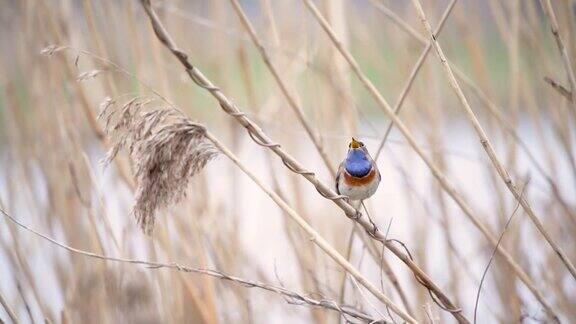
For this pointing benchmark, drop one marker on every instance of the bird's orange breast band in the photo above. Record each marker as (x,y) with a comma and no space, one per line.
(354,181)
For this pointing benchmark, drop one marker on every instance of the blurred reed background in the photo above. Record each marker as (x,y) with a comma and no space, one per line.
(60,60)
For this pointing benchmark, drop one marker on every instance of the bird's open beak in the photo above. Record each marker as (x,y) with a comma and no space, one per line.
(354,144)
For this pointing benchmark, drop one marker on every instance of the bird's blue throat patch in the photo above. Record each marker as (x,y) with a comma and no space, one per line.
(357,163)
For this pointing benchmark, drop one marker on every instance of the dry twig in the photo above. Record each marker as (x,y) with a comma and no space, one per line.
(555,29)
(8,310)
(492,258)
(560,88)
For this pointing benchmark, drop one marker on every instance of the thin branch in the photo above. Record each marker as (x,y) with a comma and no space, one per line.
(549,11)
(8,309)
(492,258)
(368,301)
(349,247)
(560,88)
(291,297)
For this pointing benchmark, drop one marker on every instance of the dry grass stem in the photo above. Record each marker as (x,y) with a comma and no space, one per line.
(560,88)
(555,29)
(8,310)
(508,221)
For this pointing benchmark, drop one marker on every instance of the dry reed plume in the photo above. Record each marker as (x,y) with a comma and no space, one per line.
(167,150)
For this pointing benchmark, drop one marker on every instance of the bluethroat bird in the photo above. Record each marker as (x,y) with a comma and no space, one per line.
(358,176)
